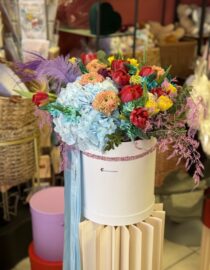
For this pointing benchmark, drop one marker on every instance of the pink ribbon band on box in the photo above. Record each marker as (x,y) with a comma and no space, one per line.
(127,158)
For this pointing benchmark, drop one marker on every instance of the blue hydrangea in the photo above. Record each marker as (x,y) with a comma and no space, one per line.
(90,129)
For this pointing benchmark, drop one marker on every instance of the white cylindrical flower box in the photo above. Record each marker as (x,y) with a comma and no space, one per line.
(118,185)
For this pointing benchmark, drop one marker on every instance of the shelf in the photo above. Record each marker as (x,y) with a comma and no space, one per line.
(197,36)
(87,33)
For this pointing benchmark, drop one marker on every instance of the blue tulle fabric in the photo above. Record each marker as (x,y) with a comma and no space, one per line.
(73,205)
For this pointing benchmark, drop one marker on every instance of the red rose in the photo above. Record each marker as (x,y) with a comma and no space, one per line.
(146,71)
(39,97)
(119,64)
(139,117)
(158,91)
(130,92)
(121,77)
(87,57)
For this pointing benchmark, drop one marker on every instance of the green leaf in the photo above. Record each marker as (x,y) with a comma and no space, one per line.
(131,69)
(24,93)
(66,110)
(82,67)
(144,58)
(151,77)
(114,140)
(102,57)
(119,56)
(145,93)
(181,99)
(164,133)
(162,78)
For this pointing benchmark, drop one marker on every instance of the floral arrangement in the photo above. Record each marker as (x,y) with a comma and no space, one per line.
(101,101)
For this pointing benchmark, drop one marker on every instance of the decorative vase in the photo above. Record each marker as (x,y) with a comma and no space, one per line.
(118,185)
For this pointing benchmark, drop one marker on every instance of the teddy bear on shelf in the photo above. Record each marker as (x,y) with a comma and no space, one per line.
(166,34)
(190,16)
(196,16)
(184,13)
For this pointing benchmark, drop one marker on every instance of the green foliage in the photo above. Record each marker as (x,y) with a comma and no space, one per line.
(132,131)
(128,107)
(82,67)
(136,133)
(131,69)
(24,93)
(164,133)
(114,140)
(162,78)
(144,97)
(144,58)
(53,108)
(151,77)
(119,56)
(102,57)
(181,98)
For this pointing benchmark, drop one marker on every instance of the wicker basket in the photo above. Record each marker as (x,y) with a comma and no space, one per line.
(152,56)
(15,115)
(180,56)
(165,166)
(17,161)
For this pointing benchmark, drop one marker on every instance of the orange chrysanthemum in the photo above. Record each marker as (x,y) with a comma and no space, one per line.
(106,102)
(160,71)
(92,77)
(95,65)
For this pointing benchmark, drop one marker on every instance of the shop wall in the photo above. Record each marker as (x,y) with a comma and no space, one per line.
(149,9)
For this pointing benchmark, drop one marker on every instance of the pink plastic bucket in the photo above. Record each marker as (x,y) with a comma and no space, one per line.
(47,210)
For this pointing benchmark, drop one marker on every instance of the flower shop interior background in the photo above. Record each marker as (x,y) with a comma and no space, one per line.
(168,33)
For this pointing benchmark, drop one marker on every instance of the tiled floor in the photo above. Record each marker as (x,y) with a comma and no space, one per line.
(176,257)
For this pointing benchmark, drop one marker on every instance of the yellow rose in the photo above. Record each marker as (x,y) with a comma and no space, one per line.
(72,60)
(133,62)
(111,58)
(170,88)
(152,105)
(164,103)
(135,79)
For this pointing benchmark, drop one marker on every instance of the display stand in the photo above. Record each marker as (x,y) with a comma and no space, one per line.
(133,247)
(77,203)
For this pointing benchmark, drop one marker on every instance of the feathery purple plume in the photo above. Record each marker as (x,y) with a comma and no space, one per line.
(60,69)
(26,71)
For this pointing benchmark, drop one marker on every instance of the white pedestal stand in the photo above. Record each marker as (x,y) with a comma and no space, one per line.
(134,247)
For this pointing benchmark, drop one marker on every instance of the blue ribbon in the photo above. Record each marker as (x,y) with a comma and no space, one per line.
(72,213)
